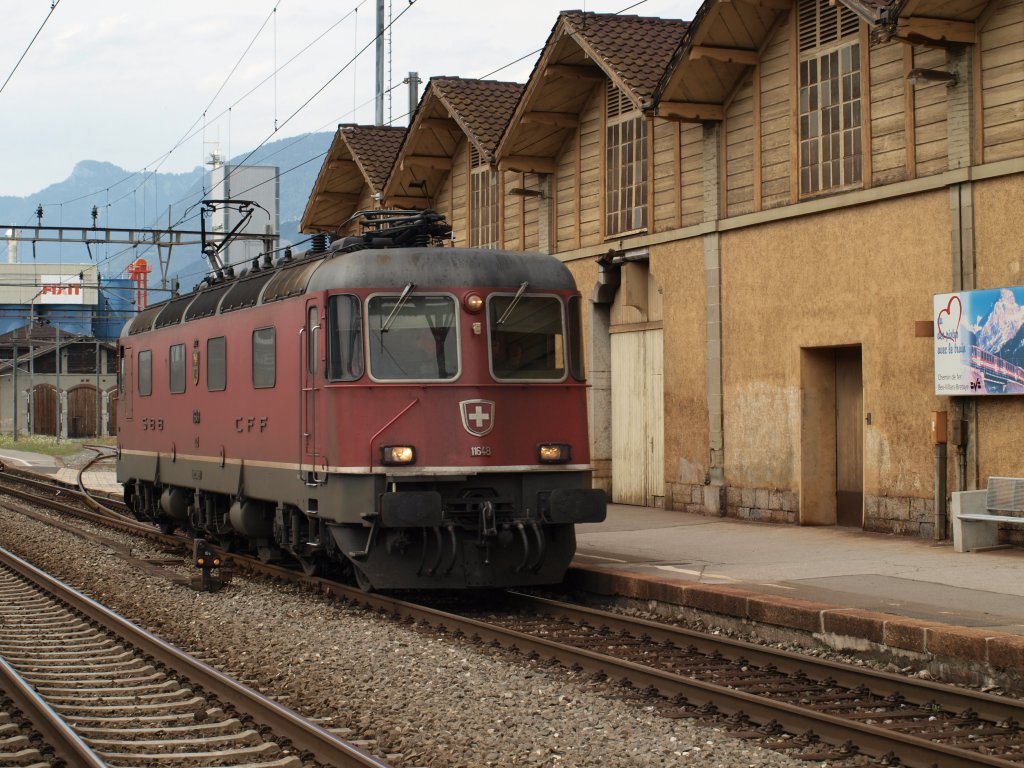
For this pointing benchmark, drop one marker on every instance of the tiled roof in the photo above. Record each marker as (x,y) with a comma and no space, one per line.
(375,149)
(482,107)
(636,48)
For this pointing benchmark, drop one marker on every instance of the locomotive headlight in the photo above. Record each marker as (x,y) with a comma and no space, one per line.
(397,454)
(553,453)
(473,303)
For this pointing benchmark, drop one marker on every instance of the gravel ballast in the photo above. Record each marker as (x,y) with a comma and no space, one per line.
(416,698)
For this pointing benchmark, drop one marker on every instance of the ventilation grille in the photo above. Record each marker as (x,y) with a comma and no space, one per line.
(822,23)
(475,161)
(618,102)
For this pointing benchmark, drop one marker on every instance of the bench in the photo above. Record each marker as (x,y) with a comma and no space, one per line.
(976,514)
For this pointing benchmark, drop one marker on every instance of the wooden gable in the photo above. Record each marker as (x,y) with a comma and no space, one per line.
(723,42)
(352,176)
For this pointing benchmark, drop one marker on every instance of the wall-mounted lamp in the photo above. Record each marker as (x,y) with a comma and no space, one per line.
(925,76)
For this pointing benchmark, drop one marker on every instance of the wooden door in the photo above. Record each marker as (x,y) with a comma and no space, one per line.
(44,409)
(638,443)
(82,416)
(849,438)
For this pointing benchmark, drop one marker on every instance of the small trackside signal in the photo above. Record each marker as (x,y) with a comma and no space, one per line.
(206,560)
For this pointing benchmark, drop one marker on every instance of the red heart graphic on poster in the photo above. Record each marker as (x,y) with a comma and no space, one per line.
(952,318)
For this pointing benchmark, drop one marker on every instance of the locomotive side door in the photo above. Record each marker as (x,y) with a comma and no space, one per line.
(126,382)
(309,395)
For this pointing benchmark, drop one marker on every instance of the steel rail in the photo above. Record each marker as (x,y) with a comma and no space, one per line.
(283,722)
(874,740)
(66,744)
(985,705)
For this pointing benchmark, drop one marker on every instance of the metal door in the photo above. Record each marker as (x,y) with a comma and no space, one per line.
(310,458)
(849,438)
(638,442)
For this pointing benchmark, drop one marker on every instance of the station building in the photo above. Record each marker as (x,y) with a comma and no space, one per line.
(58,354)
(761,205)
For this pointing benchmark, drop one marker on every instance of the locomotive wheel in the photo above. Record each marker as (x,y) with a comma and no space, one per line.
(362,581)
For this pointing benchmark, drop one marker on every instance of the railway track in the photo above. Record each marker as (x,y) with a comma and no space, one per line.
(820,709)
(131,699)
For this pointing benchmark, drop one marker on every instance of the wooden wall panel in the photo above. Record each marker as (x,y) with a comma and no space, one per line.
(566,230)
(459,180)
(775,121)
(662,207)
(692,182)
(512,216)
(531,217)
(739,143)
(591,169)
(1002,77)
(930,112)
(888,117)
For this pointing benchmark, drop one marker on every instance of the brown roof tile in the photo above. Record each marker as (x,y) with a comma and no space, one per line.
(636,48)
(375,149)
(482,107)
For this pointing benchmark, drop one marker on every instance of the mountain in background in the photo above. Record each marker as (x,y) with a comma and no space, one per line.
(142,201)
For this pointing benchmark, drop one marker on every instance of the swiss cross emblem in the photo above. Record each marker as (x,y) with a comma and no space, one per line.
(477,416)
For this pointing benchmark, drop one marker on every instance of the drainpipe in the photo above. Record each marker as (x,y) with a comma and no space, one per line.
(939,439)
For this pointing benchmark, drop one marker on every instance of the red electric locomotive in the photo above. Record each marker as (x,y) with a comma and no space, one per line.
(410,414)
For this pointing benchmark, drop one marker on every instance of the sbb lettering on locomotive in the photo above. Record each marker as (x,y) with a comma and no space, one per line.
(392,410)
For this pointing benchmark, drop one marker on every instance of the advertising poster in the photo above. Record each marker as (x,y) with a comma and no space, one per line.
(979,342)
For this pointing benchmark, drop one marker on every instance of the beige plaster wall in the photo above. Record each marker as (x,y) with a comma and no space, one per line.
(856,276)
(678,269)
(999,261)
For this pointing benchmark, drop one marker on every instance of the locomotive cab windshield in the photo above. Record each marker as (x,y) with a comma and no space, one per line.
(413,336)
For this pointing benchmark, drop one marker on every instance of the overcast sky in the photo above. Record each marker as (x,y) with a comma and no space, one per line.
(125,81)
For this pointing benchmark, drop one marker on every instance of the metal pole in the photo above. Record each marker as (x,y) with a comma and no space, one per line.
(940,491)
(380,63)
(414,93)
(14,386)
(99,406)
(57,326)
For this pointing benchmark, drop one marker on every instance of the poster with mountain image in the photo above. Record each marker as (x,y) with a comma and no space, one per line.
(979,342)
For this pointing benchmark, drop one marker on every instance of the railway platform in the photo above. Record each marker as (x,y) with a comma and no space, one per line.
(847,587)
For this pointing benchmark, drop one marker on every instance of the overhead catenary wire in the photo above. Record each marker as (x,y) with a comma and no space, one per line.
(53,7)
(279,126)
(205,118)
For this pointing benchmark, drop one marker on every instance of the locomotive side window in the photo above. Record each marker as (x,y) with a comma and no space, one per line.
(575,339)
(264,358)
(412,338)
(527,337)
(345,339)
(177,368)
(216,364)
(146,373)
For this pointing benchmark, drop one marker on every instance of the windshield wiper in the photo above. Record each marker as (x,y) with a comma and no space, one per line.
(398,305)
(512,305)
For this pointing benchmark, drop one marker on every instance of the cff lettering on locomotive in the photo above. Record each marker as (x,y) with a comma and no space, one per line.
(400,413)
